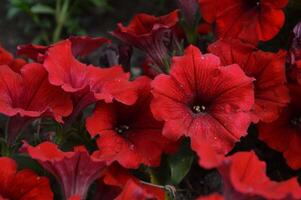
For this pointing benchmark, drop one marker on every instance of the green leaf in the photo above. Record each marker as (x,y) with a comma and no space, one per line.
(42,9)
(180,163)
(25,162)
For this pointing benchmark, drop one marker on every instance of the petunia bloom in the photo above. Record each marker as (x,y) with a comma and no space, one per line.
(75,170)
(284,134)
(128,134)
(205,101)
(150,34)
(22,185)
(248,20)
(244,177)
(81,46)
(7,58)
(87,84)
(271,92)
(29,95)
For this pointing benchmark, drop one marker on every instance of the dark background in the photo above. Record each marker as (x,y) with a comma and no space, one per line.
(90,19)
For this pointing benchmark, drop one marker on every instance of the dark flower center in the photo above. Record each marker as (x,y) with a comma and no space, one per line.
(253,3)
(296,122)
(198,109)
(120,129)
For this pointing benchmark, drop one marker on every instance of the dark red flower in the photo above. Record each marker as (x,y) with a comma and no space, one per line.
(244,177)
(28,95)
(150,34)
(7,58)
(205,101)
(128,134)
(284,134)
(87,83)
(271,93)
(22,185)
(81,46)
(75,170)
(248,20)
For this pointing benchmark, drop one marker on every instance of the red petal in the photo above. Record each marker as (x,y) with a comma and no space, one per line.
(30,94)
(257,22)
(214,196)
(64,70)
(75,171)
(112,83)
(24,184)
(84,45)
(271,93)
(248,176)
(135,190)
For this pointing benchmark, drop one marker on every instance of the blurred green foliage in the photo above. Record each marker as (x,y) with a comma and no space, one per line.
(53,18)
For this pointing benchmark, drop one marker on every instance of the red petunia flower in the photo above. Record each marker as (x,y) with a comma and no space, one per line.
(7,58)
(129,186)
(248,20)
(75,170)
(150,34)
(81,46)
(28,95)
(87,83)
(205,101)
(271,93)
(244,177)
(284,134)
(22,185)
(128,134)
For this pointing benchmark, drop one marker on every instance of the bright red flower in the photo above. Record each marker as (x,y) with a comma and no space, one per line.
(28,95)
(149,33)
(205,101)
(7,58)
(130,186)
(245,178)
(128,134)
(271,93)
(22,185)
(248,20)
(75,170)
(81,46)
(87,83)
(284,134)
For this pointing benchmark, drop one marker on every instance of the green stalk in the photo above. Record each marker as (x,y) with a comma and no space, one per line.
(61,16)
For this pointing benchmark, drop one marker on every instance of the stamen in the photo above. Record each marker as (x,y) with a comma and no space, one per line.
(122,128)
(199,109)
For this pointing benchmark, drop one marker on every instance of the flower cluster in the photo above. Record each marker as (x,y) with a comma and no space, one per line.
(109,132)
